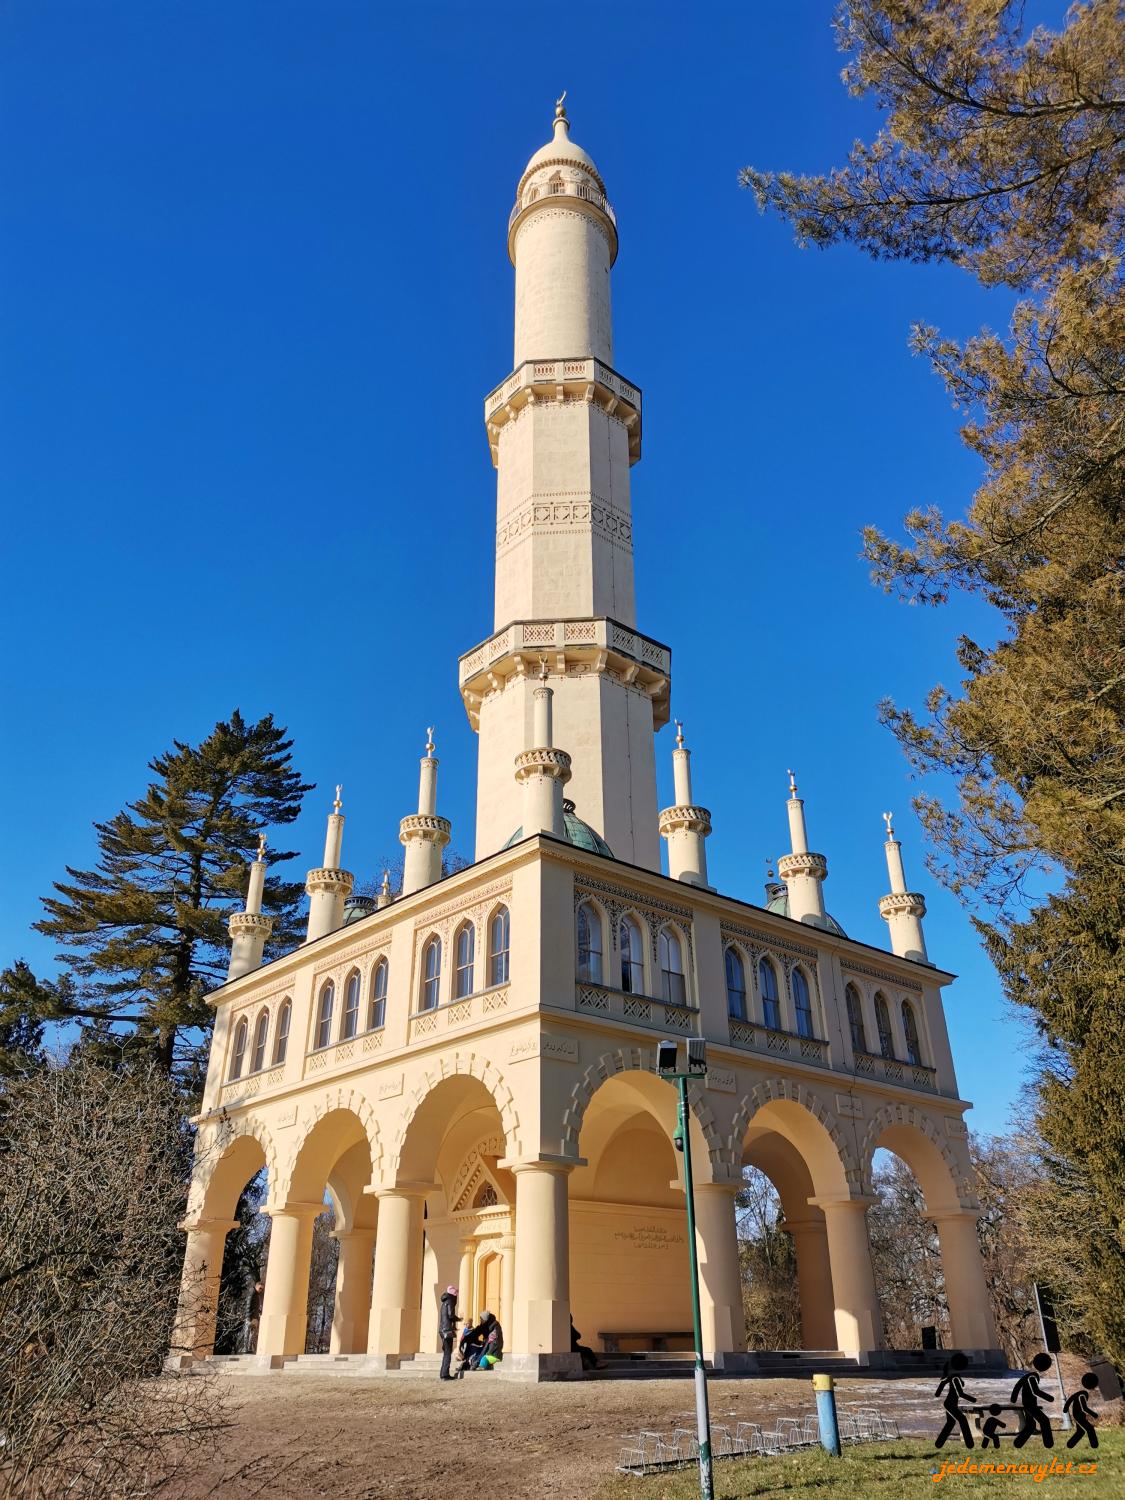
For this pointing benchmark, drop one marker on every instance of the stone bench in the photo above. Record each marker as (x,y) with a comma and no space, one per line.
(655,1341)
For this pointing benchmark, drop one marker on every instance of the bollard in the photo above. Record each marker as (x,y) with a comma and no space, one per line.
(826,1414)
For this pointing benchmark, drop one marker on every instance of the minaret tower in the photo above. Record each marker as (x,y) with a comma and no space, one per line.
(423,833)
(902,910)
(564,429)
(685,826)
(330,886)
(802,871)
(249,929)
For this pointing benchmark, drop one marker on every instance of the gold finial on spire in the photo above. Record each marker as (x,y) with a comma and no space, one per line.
(261,847)
(792,784)
(386,886)
(560,106)
(430,746)
(679,723)
(339,792)
(888,819)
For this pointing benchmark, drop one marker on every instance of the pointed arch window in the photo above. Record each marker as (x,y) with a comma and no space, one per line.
(324,1016)
(910,1031)
(672,986)
(736,984)
(802,1004)
(589,943)
(351,1007)
(464,948)
(632,957)
(499,944)
(431,973)
(281,1041)
(855,1018)
(377,1005)
(883,1026)
(771,1004)
(261,1034)
(238,1051)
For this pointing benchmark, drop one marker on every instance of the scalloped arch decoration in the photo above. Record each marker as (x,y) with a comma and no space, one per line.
(772,1089)
(460,1065)
(907,1114)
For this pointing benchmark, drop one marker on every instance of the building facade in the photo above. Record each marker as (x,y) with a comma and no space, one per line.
(465,1068)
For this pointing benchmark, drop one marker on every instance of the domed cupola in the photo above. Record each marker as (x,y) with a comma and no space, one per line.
(560,169)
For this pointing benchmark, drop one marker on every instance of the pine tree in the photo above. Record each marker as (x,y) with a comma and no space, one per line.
(1003,153)
(144,933)
(27,1006)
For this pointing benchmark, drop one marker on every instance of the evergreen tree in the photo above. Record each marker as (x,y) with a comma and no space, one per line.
(27,1005)
(144,933)
(1003,153)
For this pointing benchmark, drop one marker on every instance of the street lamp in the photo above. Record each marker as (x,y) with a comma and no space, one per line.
(666,1059)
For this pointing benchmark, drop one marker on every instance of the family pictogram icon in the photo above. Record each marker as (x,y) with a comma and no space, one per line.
(1027,1398)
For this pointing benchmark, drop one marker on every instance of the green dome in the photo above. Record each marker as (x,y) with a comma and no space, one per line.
(580,834)
(358,907)
(779,905)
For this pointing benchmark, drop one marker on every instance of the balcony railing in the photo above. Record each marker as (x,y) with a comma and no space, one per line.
(913,1075)
(809,1049)
(563,190)
(640,1010)
(246,1087)
(440,1018)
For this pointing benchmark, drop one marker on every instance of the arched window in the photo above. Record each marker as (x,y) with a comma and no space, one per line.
(672,986)
(855,1019)
(589,943)
(351,1007)
(632,959)
(377,1007)
(281,1041)
(324,1015)
(486,1198)
(910,1030)
(238,1051)
(261,1033)
(802,1004)
(736,984)
(883,1026)
(431,973)
(771,1005)
(499,942)
(556,184)
(464,946)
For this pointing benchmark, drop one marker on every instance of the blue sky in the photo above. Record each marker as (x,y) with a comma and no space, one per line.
(254,291)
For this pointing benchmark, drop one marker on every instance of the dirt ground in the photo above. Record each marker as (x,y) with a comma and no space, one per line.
(298,1435)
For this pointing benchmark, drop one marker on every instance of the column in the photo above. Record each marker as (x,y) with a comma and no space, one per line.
(541,1296)
(396,1295)
(508,1283)
(193,1336)
(970,1315)
(286,1299)
(351,1310)
(814,1282)
(466,1292)
(720,1289)
(859,1324)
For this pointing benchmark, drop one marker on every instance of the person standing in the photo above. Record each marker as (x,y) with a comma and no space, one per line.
(447,1328)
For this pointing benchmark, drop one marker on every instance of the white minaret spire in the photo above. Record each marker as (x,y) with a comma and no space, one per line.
(330,886)
(802,871)
(902,910)
(423,833)
(541,770)
(564,428)
(684,826)
(249,929)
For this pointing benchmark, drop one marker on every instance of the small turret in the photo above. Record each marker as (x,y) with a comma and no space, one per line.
(329,886)
(249,929)
(802,871)
(902,910)
(542,771)
(384,898)
(684,826)
(423,833)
